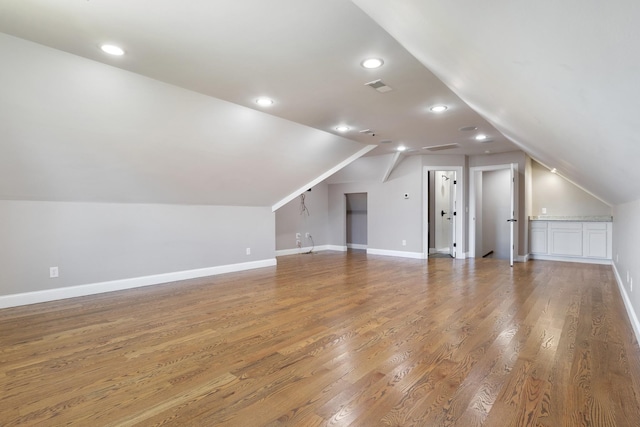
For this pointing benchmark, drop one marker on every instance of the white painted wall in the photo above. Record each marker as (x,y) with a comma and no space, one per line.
(99,242)
(561,197)
(626,253)
(391,218)
(290,220)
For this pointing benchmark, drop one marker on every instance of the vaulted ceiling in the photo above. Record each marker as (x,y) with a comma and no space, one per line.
(174,120)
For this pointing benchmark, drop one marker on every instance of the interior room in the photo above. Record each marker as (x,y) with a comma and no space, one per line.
(329,212)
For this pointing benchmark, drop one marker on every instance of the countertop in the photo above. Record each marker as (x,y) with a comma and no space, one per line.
(602,218)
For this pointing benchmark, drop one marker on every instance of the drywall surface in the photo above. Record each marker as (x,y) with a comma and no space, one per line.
(561,197)
(98,242)
(292,218)
(626,253)
(391,218)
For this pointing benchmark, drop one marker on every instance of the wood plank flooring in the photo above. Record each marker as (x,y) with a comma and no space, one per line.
(332,339)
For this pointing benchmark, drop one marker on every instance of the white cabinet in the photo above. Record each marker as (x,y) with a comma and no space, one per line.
(571,241)
(539,237)
(565,238)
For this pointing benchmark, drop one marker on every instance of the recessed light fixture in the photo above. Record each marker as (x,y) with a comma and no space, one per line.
(264,101)
(372,63)
(438,108)
(554,170)
(112,49)
(402,148)
(481,137)
(342,128)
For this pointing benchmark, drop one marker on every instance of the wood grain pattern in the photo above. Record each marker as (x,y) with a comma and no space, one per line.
(332,339)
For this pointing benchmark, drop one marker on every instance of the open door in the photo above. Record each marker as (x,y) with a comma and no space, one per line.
(452,209)
(512,220)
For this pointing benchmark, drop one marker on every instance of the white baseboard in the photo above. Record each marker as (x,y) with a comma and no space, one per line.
(356,246)
(402,254)
(571,259)
(296,251)
(522,258)
(35,297)
(627,303)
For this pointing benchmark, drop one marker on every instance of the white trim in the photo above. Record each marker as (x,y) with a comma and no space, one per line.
(460,209)
(35,297)
(356,246)
(472,201)
(627,304)
(395,161)
(522,258)
(297,251)
(322,177)
(402,254)
(581,260)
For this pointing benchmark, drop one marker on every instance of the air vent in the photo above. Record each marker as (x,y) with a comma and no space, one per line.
(385,141)
(440,147)
(368,132)
(379,85)
(468,128)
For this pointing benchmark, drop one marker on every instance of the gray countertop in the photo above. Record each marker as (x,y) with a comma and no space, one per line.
(586,218)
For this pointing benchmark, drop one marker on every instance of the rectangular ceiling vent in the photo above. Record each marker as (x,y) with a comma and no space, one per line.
(441,147)
(368,132)
(379,85)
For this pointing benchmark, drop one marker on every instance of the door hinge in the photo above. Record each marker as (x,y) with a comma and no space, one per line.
(455,182)
(454,245)
(455,213)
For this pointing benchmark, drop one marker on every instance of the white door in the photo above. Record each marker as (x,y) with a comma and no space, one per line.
(512,220)
(452,212)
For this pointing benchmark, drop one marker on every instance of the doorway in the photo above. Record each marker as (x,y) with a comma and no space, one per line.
(356,222)
(443,215)
(492,211)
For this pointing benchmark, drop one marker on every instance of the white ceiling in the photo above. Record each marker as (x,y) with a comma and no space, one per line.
(541,73)
(559,78)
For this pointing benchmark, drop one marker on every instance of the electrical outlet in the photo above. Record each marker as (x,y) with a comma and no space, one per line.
(248,251)
(53,272)
(298,235)
(307,235)
(404,243)
(544,211)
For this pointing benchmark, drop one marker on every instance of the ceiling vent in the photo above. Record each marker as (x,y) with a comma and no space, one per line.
(368,132)
(440,147)
(379,85)
(385,141)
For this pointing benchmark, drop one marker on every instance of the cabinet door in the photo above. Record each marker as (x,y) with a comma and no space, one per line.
(539,237)
(565,238)
(595,240)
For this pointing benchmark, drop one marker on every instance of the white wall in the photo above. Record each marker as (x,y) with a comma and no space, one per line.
(99,242)
(290,220)
(391,218)
(626,253)
(561,197)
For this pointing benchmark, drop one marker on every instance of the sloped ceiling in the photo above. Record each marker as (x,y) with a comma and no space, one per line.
(558,78)
(81,125)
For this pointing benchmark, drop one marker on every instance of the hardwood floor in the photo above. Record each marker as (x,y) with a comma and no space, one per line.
(332,339)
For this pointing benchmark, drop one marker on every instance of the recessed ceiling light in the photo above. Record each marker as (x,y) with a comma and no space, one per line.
(468,128)
(112,49)
(481,137)
(554,170)
(402,148)
(264,101)
(342,128)
(438,108)
(372,63)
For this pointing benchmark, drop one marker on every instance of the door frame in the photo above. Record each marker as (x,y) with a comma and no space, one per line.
(460,211)
(472,201)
